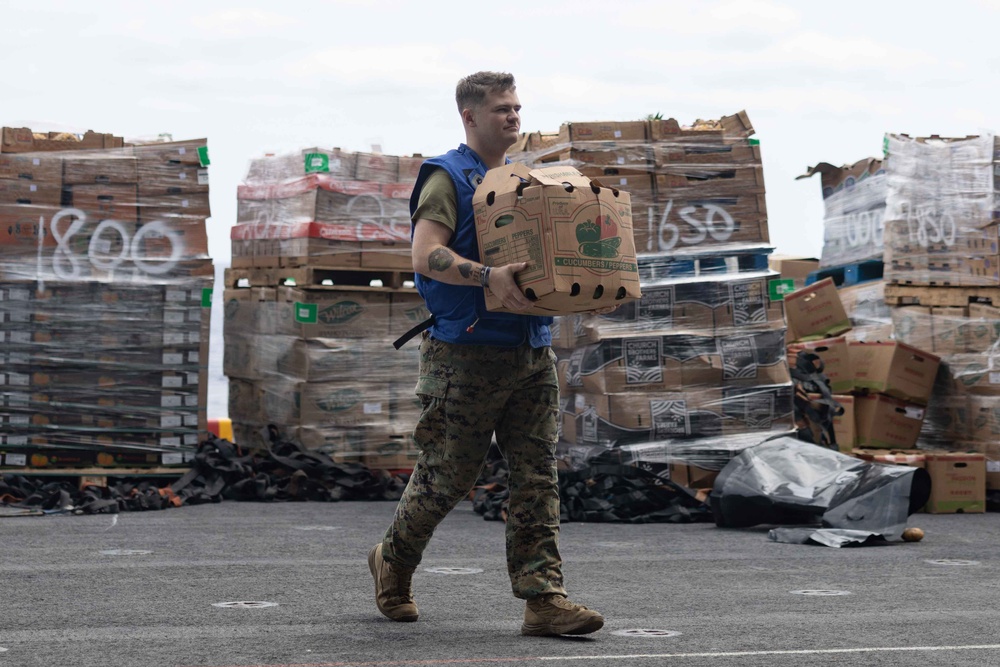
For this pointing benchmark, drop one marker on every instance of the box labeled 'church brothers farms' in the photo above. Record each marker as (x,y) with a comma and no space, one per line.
(575,235)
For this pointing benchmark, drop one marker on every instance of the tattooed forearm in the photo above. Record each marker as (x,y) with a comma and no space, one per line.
(440,260)
(465,268)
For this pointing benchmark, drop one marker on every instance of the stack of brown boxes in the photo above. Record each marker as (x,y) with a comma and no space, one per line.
(105,295)
(884,386)
(853,211)
(893,397)
(693,189)
(313,356)
(693,363)
(681,374)
(319,365)
(941,225)
(326,208)
(943,283)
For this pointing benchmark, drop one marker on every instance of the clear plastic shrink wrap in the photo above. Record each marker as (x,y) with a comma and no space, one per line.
(314,356)
(105,295)
(941,223)
(853,211)
(964,411)
(696,369)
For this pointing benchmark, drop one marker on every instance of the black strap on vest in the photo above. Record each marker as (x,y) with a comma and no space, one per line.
(420,328)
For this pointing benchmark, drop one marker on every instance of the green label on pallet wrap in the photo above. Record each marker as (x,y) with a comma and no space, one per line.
(206,297)
(203,156)
(778,288)
(305,313)
(317,163)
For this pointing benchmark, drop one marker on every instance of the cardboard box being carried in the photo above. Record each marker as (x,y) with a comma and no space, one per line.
(576,236)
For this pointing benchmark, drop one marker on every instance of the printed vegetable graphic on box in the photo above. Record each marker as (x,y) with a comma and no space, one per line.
(598,238)
(575,234)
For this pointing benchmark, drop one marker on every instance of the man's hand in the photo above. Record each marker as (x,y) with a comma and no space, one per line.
(504,286)
(606,310)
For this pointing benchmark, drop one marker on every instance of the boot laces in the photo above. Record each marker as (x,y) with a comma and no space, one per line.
(562,602)
(400,586)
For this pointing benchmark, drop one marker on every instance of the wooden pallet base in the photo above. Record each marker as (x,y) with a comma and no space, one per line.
(917,295)
(312,276)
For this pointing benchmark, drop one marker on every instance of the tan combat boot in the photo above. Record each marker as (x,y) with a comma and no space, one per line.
(393,588)
(552,614)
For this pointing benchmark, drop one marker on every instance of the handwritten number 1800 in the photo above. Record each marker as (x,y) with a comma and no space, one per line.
(67,264)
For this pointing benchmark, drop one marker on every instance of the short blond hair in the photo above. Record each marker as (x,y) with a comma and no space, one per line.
(471,91)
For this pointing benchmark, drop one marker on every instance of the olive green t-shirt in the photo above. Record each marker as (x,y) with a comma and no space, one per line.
(438,200)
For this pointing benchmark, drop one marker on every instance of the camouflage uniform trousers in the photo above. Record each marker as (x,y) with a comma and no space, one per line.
(468,392)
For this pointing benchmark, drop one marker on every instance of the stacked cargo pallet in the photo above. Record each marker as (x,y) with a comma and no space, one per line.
(321,285)
(941,292)
(853,215)
(105,295)
(696,368)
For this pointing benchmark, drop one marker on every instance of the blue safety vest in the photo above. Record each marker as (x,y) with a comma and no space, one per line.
(459,311)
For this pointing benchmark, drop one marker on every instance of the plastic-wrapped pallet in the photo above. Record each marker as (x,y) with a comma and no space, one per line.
(941,225)
(327,208)
(700,358)
(964,410)
(319,365)
(694,189)
(678,377)
(105,294)
(854,211)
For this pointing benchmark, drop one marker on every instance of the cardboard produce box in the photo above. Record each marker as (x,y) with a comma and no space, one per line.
(958,482)
(567,330)
(616,419)
(576,236)
(794,268)
(845,425)
(24,140)
(692,476)
(975,374)
(719,304)
(329,313)
(982,332)
(884,422)
(854,210)
(25,192)
(894,368)
(991,452)
(915,458)
(363,403)
(633,130)
(836,360)
(815,312)
(678,362)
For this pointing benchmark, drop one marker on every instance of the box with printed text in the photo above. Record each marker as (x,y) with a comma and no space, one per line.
(575,235)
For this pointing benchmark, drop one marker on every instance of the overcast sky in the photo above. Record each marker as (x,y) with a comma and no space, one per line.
(820,81)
